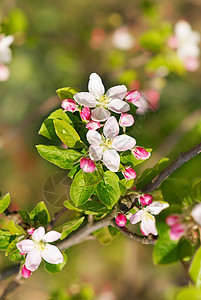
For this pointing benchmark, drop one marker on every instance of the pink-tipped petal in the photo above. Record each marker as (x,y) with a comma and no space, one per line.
(148,224)
(93,125)
(25,272)
(126,120)
(146,199)
(129,173)
(123,142)
(156,207)
(120,220)
(25,246)
(116,92)
(112,160)
(100,114)
(85,99)
(137,217)
(141,153)
(95,85)
(87,165)
(96,152)
(51,236)
(33,260)
(38,234)
(118,106)
(52,254)
(133,96)
(69,105)
(94,138)
(111,128)
(85,114)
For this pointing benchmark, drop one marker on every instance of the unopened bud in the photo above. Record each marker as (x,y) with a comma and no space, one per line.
(141,153)
(25,272)
(129,173)
(146,199)
(121,220)
(126,120)
(87,165)
(69,105)
(133,96)
(85,114)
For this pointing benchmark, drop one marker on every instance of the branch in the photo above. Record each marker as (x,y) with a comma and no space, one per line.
(178,162)
(11,287)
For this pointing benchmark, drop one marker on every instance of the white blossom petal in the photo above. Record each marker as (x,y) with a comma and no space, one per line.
(96,152)
(33,260)
(111,128)
(52,254)
(100,114)
(137,217)
(5,55)
(86,99)
(111,159)
(94,138)
(118,106)
(117,92)
(51,236)
(96,86)
(38,234)
(148,224)
(123,142)
(25,246)
(6,41)
(156,207)
(196,214)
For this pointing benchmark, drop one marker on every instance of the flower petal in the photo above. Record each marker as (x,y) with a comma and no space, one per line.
(100,114)
(156,207)
(148,224)
(38,234)
(25,246)
(33,260)
(118,106)
(51,236)
(123,142)
(196,214)
(112,160)
(96,86)
(117,92)
(137,217)
(6,42)
(111,128)
(52,254)
(94,138)
(96,152)
(85,99)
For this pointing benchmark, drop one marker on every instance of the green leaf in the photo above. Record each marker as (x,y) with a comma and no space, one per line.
(40,214)
(70,226)
(123,189)
(127,158)
(108,190)
(15,229)
(195,268)
(55,268)
(66,92)
(16,256)
(92,207)
(4,203)
(187,293)
(61,157)
(106,235)
(74,171)
(79,192)
(67,134)
(25,216)
(12,246)
(5,239)
(94,178)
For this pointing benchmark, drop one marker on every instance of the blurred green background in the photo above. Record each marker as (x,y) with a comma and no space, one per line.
(57,44)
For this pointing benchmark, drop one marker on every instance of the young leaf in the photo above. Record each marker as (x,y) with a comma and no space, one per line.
(94,178)
(66,92)
(4,203)
(25,216)
(70,226)
(16,256)
(15,229)
(5,239)
(61,157)
(197,190)
(40,214)
(55,268)
(108,190)
(106,235)
(195,268)
(92,207)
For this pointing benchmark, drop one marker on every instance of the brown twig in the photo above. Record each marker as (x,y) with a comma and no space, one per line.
(12,286)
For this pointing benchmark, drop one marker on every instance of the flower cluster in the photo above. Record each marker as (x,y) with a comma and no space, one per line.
(5,56)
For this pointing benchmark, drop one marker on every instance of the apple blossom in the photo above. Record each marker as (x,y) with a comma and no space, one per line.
(5,52)
(93,125)
(145,216)
(133,96)
(85,113)
(196,214)
(120,220)
(177,231)
(140,153)
(25,272)
(126,120)
(87,165)
(96,98)
(69,105)
(146,199)
(172,220)
(129,173)
(38,247)
(107,145)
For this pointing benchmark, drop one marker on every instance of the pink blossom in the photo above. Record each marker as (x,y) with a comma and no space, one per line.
(93,125)
(133,96)
(69,105)
(177,231)
(126,120)
(141,153)
(146,199)
(85,114)
(25,272)
(87,165)
(129,173)
(120,220)
(172,220)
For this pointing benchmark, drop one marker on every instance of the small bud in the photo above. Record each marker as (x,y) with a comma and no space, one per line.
(129,173)
(85,114)
(93,125)
(140,153)
(69,105)
(121,220)
(30,230)
(172,220)
(87,165)
(126,120)
(133,96)
(177,231)
(146,199)
(25,272)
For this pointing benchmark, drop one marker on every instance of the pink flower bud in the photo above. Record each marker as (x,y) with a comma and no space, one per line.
(133,96)
(172,220)
(87,165)
(177,231)
(69,105)
(30,230)
(126,120)
(129,173)
(146,199)
(140,153)
(121,220)
(93,125)
(85,114)
(25,272)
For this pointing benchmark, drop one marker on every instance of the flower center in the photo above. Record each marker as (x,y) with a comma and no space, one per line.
(103,101)
(148,216)
(107,144)
(40,246)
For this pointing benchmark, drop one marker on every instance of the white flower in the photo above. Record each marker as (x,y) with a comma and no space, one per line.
(102,102)
(108,144)
(38,248)
(148,222)
(5,52)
